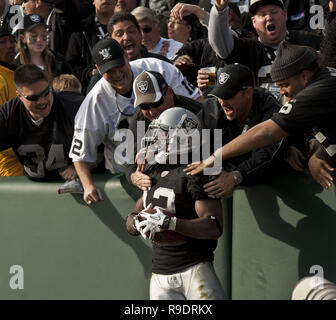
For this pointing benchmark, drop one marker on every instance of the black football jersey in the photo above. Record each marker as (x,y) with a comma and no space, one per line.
(313,110)
(174,191)
(41,149)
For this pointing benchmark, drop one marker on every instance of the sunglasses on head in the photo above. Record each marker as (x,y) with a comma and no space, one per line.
(147,29)
(43,94)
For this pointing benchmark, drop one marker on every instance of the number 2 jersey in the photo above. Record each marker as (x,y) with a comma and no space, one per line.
(104,116)
(41,149)
(174,191)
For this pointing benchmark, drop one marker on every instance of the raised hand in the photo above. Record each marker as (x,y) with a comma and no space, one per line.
(221,4)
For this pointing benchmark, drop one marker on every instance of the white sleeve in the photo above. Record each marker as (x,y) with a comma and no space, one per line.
(178,82)
(172,75)
(220,35)
(88,134)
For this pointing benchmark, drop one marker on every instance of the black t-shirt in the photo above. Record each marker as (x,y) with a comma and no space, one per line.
(313,109)
(176,192)
(41,149)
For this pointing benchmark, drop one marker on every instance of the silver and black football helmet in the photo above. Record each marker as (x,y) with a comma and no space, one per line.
(177,132)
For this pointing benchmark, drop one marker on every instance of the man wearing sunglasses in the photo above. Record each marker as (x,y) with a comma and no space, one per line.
(38,125)
(153,96)
(151,38)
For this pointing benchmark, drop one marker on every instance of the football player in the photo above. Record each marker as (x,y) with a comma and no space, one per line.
(176,214)
(38,124)
(153,95)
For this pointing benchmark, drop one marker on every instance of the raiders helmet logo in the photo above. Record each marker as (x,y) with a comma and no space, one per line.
(143,86)
(189,125)
(35,18)
(223,78)
(105,53)
(164,173)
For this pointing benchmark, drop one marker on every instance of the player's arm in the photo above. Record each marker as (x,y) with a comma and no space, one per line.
(130,223)
(208,225)
(91,192)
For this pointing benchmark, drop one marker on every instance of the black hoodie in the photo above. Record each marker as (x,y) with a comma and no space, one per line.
(79,49)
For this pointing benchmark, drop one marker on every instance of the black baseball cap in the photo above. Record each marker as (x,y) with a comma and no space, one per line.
(30,21)
(256,4)
(107,54)
(231,79)
(5,32)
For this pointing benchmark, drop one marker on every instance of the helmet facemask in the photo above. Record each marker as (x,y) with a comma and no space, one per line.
(167,143)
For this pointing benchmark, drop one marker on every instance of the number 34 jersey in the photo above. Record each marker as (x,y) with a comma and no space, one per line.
(174,191)
(41,149)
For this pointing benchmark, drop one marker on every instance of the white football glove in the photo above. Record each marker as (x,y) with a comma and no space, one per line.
(156,222)
(136,224)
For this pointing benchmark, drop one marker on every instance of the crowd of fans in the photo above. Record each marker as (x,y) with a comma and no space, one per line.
(72,79)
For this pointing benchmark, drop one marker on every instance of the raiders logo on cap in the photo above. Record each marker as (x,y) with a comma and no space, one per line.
(105,53)
(143,86)
(35,18)
(223,77)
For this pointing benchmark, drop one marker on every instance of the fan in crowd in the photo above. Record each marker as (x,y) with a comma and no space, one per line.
(151,38)
(33,48)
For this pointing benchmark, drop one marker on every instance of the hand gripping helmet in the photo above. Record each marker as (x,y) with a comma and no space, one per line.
(175,133)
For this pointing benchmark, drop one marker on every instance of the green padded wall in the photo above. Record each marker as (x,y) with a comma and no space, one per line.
(69,250)
(279,233)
